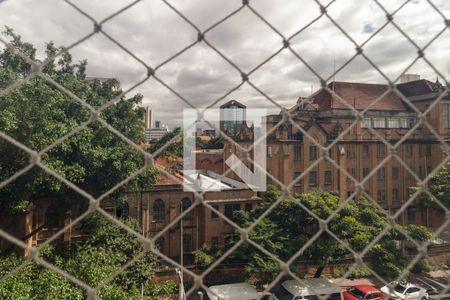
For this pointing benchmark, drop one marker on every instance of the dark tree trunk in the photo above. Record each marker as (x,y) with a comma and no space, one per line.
(319,271)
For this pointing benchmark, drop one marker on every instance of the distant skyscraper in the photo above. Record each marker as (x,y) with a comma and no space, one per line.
(232,117)
(148,118)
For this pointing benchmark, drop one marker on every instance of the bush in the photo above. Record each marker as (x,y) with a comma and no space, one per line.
(360,272)
(421,267)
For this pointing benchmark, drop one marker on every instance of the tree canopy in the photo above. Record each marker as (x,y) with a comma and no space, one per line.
(37,114)
(288,227)
(105,250)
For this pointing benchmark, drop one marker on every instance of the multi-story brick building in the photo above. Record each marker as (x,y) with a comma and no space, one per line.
(155,209)
(359,150)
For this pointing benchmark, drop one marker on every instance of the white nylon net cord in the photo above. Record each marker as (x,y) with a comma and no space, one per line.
(245,79)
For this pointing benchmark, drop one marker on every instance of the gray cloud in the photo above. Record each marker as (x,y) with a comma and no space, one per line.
(154,33)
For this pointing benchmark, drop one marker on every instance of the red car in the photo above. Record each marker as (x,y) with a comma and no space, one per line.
(363,292)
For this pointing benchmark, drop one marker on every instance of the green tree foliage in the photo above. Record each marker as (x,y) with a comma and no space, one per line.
(214,143)
(37,113)
(107,248)
(173,148)
(439,187)
(288,227)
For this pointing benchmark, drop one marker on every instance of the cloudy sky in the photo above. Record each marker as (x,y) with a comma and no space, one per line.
(153,32)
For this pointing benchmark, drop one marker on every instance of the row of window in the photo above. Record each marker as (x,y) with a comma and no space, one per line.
(159,209)
(388,122)
(381,175)
(351,150)
(230,208)
(381,195)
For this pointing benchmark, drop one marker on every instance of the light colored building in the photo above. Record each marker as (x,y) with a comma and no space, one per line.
(148,118)
(155,133)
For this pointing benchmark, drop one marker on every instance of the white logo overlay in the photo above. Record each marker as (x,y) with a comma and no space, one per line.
(200,180)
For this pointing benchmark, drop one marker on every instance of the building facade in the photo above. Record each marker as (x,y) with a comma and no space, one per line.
(295,157)
(155,209)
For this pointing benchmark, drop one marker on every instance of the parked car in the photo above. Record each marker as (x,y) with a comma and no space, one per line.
(363,292)
(404,291)
(232,291)
(308,289)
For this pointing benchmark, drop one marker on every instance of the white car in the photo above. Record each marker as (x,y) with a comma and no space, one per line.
(307,289)
(404,291)
(233,291)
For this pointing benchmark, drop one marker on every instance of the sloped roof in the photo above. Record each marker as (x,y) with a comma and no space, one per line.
(416,88)
(363,95)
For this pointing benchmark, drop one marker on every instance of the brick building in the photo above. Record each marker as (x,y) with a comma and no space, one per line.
(161,205)
(325,116)
(155,209)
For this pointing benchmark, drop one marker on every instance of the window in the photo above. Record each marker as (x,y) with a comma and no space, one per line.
(351,171)
(312,178)
(328,177)
(381,152)
(187,243)
(395,194)
(286,150)
(403,123)
(52,217)
(381,173)
(428,150)
(446,115)
(123,210)
(215,242)
(296,175)
(351,151)
(395,173)
(185,204)
(412,290)
(158,211)
(248,206)
(411,122)
(381,196)
(213,213)
(297,152)
(365,151)
(269,151)
(365,172)
(379,123)
(393,123)
(312,152)
(421,150)
(408,150)
(411,214)
(365,123)
(159,243)
(230,209)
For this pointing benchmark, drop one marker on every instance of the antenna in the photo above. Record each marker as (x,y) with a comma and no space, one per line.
(334,72)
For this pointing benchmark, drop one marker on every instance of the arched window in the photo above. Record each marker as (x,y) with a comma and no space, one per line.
(185,204)
(159,211)
(123,210)
(159,243)
(51,217)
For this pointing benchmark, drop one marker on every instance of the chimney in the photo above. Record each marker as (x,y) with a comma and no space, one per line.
(409,77)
